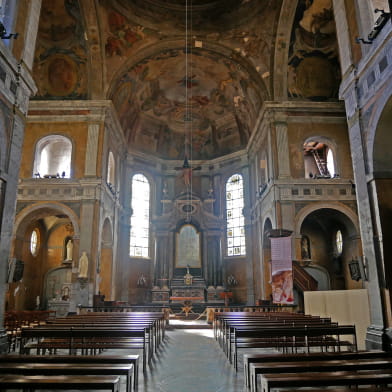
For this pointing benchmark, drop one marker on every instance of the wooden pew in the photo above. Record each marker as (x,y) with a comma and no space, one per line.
(250,358)
(325,379)
(74,338)
(76,359)
(61,383)
(316,366)
(68,369)
(278,337)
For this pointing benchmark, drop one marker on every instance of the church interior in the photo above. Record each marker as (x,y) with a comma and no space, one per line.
(154,152)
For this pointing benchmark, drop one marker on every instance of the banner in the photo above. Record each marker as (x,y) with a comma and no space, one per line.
(281,270)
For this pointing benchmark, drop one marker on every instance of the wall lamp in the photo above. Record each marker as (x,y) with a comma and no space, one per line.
(378,25)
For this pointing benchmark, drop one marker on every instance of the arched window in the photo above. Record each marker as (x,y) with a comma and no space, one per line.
(319,160)
(34,242)
(111,170)
(235,229)
(53,157)
(140,220)
(339,242)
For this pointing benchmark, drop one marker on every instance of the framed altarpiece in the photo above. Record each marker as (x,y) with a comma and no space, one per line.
(188,252)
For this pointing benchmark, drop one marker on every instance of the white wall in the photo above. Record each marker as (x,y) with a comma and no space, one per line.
(346,307)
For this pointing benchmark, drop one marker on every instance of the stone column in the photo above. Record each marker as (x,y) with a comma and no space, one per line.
(376,336)
(248,236)
(8,213)
(282,147)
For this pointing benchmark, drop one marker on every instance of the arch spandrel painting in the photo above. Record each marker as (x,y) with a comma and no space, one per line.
(188,247)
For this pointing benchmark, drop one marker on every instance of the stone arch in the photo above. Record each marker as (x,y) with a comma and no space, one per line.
(321,223)
(37,210)
(305,211)
(286,20)
(208,46)
(55,223)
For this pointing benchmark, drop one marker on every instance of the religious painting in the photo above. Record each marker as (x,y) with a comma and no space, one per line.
(188,254)
(62,75)
(170,100)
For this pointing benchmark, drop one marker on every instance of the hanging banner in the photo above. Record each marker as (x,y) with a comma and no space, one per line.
(281,270)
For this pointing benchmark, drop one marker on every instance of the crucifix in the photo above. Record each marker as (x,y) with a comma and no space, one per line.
(187,171)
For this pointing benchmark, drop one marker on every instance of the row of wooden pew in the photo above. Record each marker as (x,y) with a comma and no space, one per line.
(71,347)
(370,369)
(15,320)
(287,332)
(310,352)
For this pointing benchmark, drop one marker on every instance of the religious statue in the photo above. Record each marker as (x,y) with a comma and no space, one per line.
(83,265)
(305,248)
(188,278)
(69,248)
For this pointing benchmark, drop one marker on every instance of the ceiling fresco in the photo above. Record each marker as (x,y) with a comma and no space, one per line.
(209,95)
(314,71)
(179,89)
(60,65)
(212,90)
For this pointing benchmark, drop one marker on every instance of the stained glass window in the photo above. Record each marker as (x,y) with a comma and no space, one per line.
(235,234)
(140,220)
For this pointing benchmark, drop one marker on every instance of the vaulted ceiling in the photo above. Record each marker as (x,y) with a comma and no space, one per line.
(183,74)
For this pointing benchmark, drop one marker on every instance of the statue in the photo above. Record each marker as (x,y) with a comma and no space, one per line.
(305,248)
(83,265)
(188,278)
(69,248)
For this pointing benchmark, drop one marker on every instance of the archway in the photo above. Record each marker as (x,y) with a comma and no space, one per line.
(332,244)
(40,236)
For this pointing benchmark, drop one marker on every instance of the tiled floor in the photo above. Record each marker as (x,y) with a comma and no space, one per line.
(190,360)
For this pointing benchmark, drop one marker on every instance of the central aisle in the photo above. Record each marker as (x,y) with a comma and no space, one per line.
(190,360)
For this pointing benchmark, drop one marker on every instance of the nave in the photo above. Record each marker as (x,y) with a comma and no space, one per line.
(279,349)
(190,360)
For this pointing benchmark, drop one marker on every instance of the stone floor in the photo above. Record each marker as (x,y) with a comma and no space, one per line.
(190,360)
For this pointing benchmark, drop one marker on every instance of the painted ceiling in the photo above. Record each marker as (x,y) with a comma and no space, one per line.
(185,76)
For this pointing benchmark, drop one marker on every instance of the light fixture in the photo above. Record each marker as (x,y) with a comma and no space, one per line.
(378,25)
